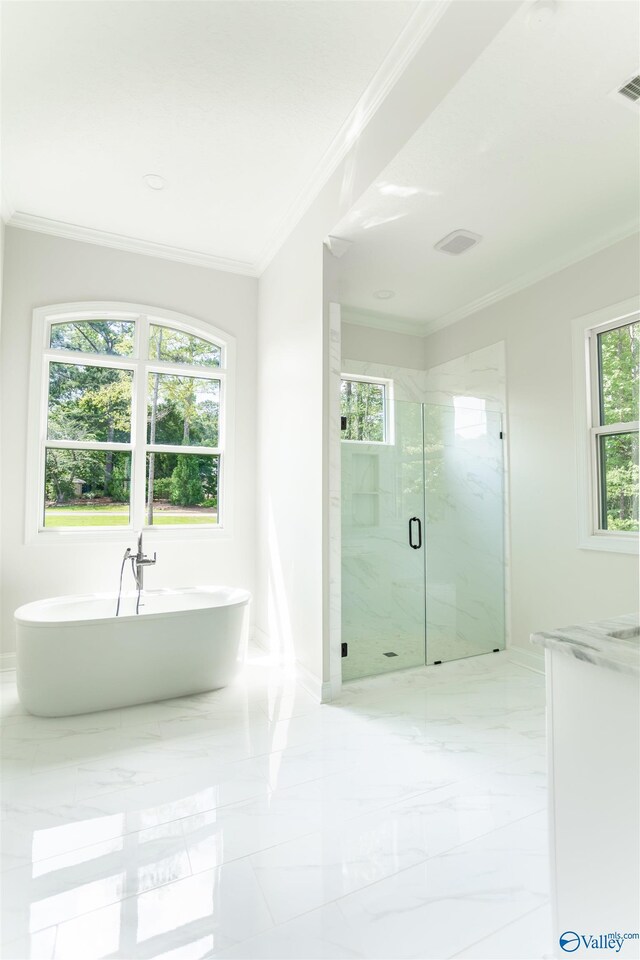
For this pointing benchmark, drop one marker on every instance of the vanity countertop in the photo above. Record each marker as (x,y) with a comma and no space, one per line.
(613,643)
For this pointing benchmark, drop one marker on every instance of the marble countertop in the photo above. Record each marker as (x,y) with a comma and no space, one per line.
(613,643)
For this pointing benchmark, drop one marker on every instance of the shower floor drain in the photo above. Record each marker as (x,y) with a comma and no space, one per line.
(390,654)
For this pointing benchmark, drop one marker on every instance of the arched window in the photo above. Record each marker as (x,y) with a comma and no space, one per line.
(133,408)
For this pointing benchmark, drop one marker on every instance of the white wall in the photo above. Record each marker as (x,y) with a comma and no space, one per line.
(289,612)
(2,241)
(553,582)
(360,342)
(43,270)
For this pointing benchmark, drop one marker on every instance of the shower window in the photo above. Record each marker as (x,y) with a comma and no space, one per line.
(364,409)
(133,421)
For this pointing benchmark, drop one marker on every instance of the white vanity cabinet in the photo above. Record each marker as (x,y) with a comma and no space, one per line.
(593,745)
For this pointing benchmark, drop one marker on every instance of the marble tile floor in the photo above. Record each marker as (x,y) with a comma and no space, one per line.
(406,820)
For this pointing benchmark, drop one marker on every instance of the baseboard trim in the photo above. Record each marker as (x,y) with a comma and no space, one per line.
(331,690)
(7,661)
(311,683)
(528,659)
(323,692)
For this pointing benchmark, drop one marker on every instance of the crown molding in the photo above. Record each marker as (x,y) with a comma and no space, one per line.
(534,276)
(383,321)
(419,25)
(417,28)
(71,231)
(424,328)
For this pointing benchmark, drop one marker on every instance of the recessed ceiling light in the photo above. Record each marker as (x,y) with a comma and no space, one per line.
(384,294)
(541,12)
(154,181)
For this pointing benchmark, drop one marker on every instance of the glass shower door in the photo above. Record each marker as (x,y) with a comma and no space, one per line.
(383,550)
(464,530)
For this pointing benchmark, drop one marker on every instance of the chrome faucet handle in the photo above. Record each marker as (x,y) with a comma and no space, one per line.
(147,561)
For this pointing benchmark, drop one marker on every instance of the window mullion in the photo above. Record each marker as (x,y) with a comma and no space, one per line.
(185,370)
(596,483)
(139,425)
(178,448)
(87,445)
(628,426)
(90,359)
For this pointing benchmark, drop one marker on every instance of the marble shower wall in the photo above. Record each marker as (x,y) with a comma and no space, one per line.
(466,505)
(383,578)
(386,593)
(464,502)
(481,375)
(409,385)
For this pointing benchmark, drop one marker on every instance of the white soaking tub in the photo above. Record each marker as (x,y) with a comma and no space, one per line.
(75,656)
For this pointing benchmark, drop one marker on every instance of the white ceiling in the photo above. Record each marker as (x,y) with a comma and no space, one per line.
(530,150)
(233,103)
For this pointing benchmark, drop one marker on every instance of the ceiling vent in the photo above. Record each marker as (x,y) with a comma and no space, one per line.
(631,90)
(458,242)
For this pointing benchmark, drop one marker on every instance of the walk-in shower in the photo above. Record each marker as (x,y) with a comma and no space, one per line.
(423,538)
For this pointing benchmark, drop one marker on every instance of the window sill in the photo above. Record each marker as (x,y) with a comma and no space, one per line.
(627,543)
(370,443)
(126,535)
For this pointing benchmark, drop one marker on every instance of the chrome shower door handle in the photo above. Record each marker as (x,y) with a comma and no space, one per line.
(412,543)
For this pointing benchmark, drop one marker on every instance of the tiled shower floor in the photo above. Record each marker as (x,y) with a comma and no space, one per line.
(406,820)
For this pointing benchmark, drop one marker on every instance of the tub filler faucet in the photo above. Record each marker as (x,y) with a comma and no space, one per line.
(142,561)
(139,561)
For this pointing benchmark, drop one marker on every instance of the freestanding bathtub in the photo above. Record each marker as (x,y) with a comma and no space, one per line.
(75,656)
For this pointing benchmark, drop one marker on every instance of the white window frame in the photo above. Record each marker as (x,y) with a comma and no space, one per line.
(389,437)
(141,366)
(589,429)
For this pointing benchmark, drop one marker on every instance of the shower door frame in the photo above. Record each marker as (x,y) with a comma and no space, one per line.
(331,685)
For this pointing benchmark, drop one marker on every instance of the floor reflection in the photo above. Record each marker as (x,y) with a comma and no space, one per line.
(252,820)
